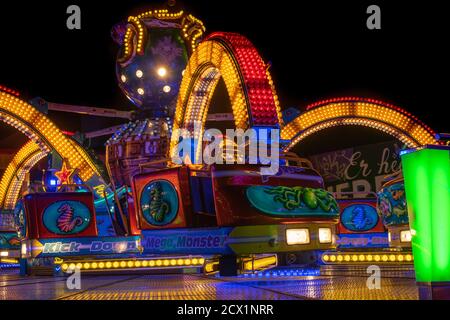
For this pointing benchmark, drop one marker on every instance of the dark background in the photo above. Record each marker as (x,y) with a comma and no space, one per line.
(318,49)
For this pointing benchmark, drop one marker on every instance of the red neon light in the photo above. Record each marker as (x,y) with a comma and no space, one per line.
(68,133)
(253,69)
(10,91)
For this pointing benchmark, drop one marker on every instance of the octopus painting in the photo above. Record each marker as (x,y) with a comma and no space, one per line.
(299,197)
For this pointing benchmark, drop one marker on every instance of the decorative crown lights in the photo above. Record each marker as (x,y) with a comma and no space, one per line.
(135,36)
(154,49)
(250,88)
(362,112)
(14,175)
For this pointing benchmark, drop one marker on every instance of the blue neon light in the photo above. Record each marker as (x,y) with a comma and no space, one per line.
(281,273)
(9,265)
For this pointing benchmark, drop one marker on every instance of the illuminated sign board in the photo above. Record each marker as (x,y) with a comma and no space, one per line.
(83,246)
(205,241)
(363,240)
(358,169)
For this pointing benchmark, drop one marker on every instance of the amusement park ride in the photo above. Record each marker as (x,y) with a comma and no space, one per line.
(142,211)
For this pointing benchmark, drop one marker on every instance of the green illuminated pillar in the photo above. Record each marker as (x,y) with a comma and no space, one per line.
(427,185)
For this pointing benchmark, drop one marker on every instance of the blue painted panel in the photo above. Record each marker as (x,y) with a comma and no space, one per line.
(392,205)
(359,217)
(66,217)
(159,202)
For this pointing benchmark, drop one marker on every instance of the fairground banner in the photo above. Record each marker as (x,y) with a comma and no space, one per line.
(359,169)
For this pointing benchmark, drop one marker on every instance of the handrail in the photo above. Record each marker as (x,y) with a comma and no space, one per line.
(152,164)
(337,194)
(116,197)
(291,156)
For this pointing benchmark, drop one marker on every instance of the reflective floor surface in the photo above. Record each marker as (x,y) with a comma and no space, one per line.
(329,283)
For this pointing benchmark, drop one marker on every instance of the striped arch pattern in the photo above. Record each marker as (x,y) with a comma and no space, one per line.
(356,111)
(14,176)
(44,136)
(233,58)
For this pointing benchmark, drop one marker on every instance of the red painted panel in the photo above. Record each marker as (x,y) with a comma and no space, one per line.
(343,204)
(178,177)
(36,203)
(232,206)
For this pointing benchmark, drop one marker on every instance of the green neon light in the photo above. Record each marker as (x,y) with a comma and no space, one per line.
(110,197)
(427,185)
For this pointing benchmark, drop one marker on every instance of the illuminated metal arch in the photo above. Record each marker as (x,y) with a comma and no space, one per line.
(12,180)
(38,128)
(360,112)
(249,84)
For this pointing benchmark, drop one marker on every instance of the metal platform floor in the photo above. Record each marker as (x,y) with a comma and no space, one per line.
(333,283)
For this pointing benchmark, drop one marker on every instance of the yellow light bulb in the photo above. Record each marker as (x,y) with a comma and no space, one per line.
(162,72)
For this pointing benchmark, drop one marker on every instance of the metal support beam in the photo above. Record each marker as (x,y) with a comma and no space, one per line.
(93,111)
(103,132)
(220,117)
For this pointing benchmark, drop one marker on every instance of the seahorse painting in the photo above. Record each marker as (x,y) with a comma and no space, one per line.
(158,207)
(360,218)
(66,221)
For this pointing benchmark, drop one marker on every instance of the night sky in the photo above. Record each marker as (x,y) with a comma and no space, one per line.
(317,50)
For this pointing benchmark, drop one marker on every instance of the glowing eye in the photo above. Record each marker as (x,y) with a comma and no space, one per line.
(140,91)
(139,73)
(167,89)
(162,72)
(123,78)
